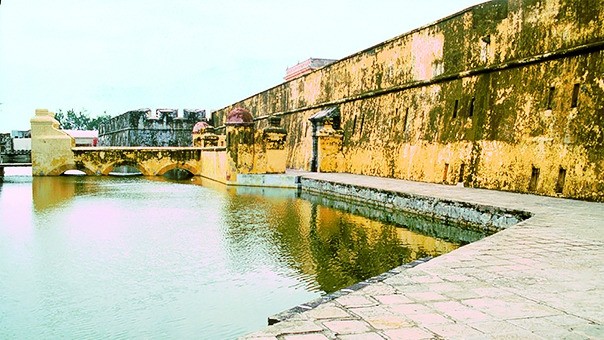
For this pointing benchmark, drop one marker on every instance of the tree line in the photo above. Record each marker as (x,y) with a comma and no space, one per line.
(71,120)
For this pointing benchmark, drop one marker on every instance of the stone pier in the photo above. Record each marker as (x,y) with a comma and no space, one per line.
(541,278)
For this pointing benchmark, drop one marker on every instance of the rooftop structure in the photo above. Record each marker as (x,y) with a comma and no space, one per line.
(305,67)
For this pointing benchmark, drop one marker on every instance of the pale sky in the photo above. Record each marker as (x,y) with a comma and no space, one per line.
(119,55)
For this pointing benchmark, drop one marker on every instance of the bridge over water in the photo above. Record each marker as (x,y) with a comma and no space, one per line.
(249,158)
(150,161)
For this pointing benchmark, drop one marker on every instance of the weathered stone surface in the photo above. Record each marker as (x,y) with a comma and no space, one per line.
(50,147)
(505,95)
(539,278)
(141,128)
(476,216)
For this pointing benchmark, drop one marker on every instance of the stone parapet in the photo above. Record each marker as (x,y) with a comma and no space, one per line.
(51,151)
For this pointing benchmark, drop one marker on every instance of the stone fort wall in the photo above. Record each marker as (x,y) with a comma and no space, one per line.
(143,128)
(506,95)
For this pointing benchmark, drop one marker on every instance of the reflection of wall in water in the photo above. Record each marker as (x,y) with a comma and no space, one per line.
(333,247)
(49,192)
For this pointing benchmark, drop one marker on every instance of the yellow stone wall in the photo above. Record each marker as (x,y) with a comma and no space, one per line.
(504,90)
(214,165)
(50,147)
(330,157)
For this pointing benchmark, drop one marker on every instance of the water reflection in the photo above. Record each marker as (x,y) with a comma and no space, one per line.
(146,256)
(329,247)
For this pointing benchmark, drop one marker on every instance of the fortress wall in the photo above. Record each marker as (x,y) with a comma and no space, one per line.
(141,128)
(505,95)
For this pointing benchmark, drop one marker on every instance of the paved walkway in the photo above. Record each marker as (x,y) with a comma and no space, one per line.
(542,278)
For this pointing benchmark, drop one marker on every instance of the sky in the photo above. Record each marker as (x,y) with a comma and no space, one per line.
(111,56)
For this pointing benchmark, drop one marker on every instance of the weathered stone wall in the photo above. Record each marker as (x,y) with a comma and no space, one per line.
(141,128)
(506,95)
(51,153)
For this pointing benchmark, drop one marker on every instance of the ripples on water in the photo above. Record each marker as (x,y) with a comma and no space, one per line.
(90,257)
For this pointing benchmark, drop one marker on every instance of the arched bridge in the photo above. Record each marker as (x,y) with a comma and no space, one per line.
(150,161)
(237,163)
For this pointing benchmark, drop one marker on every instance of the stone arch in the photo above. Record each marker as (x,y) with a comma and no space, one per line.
(107,168)
(193,170)
(66,167)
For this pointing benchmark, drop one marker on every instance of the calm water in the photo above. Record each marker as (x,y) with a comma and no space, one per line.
(95,257)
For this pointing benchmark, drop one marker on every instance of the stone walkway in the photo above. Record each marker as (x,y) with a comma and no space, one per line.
(540,279)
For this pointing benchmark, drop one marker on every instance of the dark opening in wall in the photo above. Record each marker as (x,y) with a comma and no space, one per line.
(354,125)
(305,129)
(534,179)
(446,172)
(362,123)
(462,169)
(471,112)
(575,99)
(560,181)
(455,107)
(550,98)
(405,120)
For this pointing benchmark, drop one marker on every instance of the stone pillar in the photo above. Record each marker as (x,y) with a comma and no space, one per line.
(239,143)
(51,151)
(209,138)
(204,136)
(330,158)
(274,140)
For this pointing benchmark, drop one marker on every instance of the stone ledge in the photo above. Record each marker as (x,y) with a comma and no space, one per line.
(471,215)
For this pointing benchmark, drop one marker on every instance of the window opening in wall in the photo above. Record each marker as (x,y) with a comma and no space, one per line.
(550,97)
(455,107)
(485,48)
(534,179)
(405,120)
(446,172)
(575,98)
(354,124)
(471,112)
(362,123)
(462,169)
(561,180)
(305,130)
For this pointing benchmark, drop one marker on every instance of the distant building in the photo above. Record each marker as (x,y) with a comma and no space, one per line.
(143,127)
(15,147)
(20,134)
(21,144)
(84,137)
(305,67)
(5,143)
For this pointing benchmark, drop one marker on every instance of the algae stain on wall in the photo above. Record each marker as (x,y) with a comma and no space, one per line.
(506,95)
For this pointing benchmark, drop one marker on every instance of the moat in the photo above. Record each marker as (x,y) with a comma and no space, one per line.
(85,256)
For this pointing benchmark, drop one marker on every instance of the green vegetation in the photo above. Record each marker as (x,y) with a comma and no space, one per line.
(80,121)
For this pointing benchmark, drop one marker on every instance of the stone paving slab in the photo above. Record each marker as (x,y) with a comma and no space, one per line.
(540,279)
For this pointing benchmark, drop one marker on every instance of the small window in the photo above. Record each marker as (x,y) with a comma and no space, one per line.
(550,98)
(575,97)
(471,111)
(455,107)
(362,123)
(462,169)
(485,48)
(405,120)
(446,173)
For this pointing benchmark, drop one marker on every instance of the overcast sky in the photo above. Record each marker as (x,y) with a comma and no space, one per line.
(116,55)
